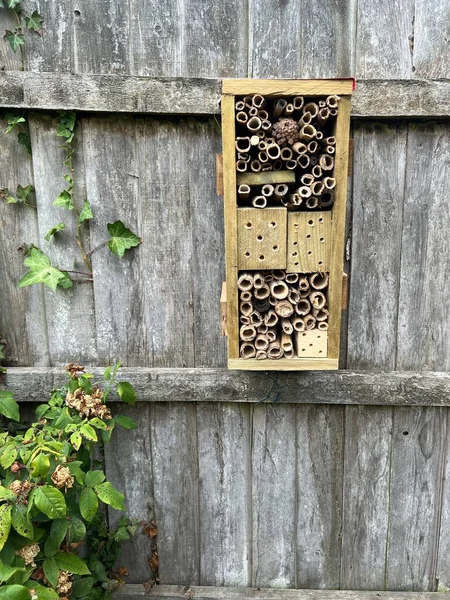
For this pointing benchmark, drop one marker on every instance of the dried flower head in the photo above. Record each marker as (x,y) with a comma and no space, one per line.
(285,132)
(75,370)
(64,586)
(21,489)
(15,467)
(62,477)
(88,405)
(29,553)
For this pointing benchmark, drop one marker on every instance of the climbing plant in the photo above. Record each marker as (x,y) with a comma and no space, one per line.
(25,23)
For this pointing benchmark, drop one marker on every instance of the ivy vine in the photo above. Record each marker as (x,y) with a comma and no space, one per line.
(25,22)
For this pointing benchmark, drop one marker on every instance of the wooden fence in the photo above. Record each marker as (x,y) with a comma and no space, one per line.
(317,481)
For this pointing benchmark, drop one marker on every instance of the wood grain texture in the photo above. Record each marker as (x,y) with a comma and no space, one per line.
(320,466)
(368,442)
(273,460)
(261,238)
(419,443)
(176,493)
(443,566)
(22,314)
(70,313)
(284,364)
(424,299)
(378,188)
(288,87)
(225,493)
(431,32)
(309,242)
(385,25)
(128,466)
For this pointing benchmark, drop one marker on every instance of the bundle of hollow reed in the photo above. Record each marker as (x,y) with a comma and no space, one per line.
(295,134)
(274,305)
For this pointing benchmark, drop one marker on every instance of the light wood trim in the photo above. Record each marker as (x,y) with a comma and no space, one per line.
(230,218)
(219,174)
(338,228)
(266,177)
(223,310)
(284,364)
(287,87)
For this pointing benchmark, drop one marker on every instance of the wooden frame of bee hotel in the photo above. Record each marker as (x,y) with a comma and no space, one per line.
(285,162)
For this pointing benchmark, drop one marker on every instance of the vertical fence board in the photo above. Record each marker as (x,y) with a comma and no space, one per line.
(320,437)
(128,465)
(378,188)
(224,468)
(175,482)
(70,313)
(368,439)
(22,314)
(443,571)
(419,436)
(273,496)
(431,35)
(424,301)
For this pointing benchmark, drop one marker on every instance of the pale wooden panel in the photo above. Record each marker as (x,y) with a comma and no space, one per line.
(225,488)
(309,242)
(424,302)
(368,440)
(320,442)
(383,48)
(273,495)
(128,465)
(443,565)
(431,34)
(261,238)
(176,494)
(419,444)
(378,187)
(22,313)
(70,313)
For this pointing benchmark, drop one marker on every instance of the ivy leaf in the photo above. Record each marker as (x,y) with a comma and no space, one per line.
(13,3)
(8,406)
(72,563)
(109,495)
(12,120)
(126,392)
(54,230)
(86,213)
(66,125)
(125,422)
(34,22)
(15,40)
(88,504)
(24,191)
(41,271)
(5,523)
(50,501)
(24,139)
(64,200)
(122,238)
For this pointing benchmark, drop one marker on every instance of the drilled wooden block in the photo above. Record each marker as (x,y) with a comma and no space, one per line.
(262,238)
(311,344)
(309,242)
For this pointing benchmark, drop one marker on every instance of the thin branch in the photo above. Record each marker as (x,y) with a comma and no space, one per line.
(97,248)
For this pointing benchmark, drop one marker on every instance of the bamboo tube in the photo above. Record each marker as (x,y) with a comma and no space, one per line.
(266,126)
(303,283)
(258,101)
(254,140)
(316,188)
(330,141)
(323,116)
(294,297)
(268,277)
(248,101)
(271,334)
(262,145)
(253,112)
(267,190)
(272,301)
(298,102)
(329,183)
(262,304)
(322,103)
(299,148)
(246,296)
(255,166)
(326,162)
(273,151)
(303,161)
(245,282)
(292,201)
(271,318)
(274,350)
(279,289)
(259,202)
(289,110)
(244,192)
(330,149)
(332,101)
(253,124)
(311,108)
(304,191)
(318,281)
(266,167)
(312,147)
(247,333)
(304,295)
(241,166)
(279,107)
(242,117)
(289,353)
(261,133)
(261,342)
(291,165)
(326,199)
(307,179)
(323,326)
(262,329)
(307,133)
(317,299)
(303,307)
(305,119)
(281,189)
(279,274)
(284,308)
(277,165)
(243,144)
(298,323)
(270,140)
(263,115)
(244,319)
(317,171)
(240,105)
(247,350)
(319,135)
(310,322)
(333,112)
(321,314)
(262,293)
(286,326)
(291,277)
(286,342)
(256,319)
(261,355)
(286,153)
(312,202)
(262,157)
(243,156)
(246,308)
(258,280)
(313,160)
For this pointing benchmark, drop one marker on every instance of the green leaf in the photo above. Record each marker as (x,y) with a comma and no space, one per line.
(76,439)
(122,238)
(88,504)
(65,200)
(6,494)
(14,592)
(86,213)
(106,374)
(8,456)
(15,40)
(13,3)
(40,465)
(41,271)
(8,406)
(126,392)
(76,531)
(51,571)
(13,120)
(98,423)
(82,587)
(2,354)
(58,532)
(6,572)
(125,422)
(72,563)
(25,140)
(42,592)
(88,432)
(51,232)
(109,495)
(34,22)
(21,521)
(24,191)
(95,478)
(50,501)
(5,523)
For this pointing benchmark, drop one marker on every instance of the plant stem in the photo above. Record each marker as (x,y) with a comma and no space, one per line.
(97,248)
(19,26)
(77,272)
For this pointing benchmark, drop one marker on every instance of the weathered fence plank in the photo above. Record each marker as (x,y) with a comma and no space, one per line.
(431,34)
(443,563)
